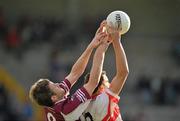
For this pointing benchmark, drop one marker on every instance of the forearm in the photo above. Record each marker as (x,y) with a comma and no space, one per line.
(122,68)
(80,65)
(96,69)
(97,66)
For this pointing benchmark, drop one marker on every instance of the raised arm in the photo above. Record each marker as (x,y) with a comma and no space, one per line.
(97,66)
(122,69)
(80,65)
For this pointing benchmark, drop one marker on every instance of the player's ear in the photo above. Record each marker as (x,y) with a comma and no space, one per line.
(54,98)
(101,88)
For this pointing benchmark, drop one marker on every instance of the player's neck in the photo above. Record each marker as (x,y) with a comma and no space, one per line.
(99,91)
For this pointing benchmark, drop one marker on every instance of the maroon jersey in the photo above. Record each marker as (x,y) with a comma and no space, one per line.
(69,108)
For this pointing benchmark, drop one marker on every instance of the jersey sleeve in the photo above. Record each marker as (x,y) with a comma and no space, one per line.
(65,85)
(113,95)
(74,106)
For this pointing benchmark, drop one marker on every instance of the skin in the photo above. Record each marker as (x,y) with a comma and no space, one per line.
(122,69)
(101,41)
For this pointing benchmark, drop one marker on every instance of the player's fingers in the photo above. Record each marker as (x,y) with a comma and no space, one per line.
(100,29)
(107,40)
(102,35)
(104,38)
(97,31)
(103,23)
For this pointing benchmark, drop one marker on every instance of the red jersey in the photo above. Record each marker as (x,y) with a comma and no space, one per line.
(103,107)
(69,108)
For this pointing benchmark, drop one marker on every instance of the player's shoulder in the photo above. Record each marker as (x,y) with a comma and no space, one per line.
(106,93)
(52,114)
(109,92)
(49,109)
(104,97)
(58,106)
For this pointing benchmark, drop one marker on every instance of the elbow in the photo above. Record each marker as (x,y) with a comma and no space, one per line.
(76,73)
(126,72)
(123,73)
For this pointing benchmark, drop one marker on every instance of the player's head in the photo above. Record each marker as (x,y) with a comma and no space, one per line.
(45,92)
(103,83)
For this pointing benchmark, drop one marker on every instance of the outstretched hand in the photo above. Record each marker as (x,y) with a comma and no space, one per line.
(102,25)
(102,36)
(114,35)
(97,40)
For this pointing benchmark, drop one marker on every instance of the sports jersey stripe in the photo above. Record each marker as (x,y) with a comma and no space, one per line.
(66,85)
(82,93)
(115,111)
(82,97)
(87,95)
(63,87)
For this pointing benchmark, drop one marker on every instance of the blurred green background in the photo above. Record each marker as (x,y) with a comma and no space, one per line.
(43,39)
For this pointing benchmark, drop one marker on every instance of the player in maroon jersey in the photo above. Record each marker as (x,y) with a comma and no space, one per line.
(59,107)
(104,103)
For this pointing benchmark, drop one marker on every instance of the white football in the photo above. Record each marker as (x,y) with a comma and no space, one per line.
(119,20)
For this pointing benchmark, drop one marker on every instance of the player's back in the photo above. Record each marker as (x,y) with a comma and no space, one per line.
(103,107)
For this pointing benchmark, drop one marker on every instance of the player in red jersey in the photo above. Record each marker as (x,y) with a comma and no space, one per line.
(104,103)
(59,107)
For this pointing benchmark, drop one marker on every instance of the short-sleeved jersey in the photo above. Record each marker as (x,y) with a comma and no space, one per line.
(103,107)
(69,108)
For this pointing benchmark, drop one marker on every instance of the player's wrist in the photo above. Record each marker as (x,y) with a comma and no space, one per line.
(89,49)
(116,41)
(91,46)
(102,48)
(105,46)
